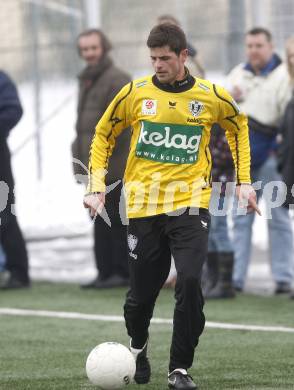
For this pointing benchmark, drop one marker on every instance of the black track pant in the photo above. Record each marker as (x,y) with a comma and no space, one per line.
(152,240)
(14,247)
(111,252)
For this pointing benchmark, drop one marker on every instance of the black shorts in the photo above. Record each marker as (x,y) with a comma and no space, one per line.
(152,241)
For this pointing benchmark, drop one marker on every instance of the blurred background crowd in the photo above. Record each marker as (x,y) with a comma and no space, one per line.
(41,52)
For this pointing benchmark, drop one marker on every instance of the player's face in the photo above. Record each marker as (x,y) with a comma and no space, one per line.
(167,65)
(258,50)
(90,48)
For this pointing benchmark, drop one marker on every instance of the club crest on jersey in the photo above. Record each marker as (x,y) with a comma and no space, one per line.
(149,107)
(196,107)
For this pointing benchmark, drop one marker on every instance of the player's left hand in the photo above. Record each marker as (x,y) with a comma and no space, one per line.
(247,198)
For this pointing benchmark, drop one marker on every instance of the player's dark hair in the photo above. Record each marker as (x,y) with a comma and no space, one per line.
(261,30)
(167,34)
(105,42)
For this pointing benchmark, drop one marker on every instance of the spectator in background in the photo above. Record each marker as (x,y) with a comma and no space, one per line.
(193,63)
(2,260)
(11,237)
(286,150)
(99,82)
(261,87)
(217,275)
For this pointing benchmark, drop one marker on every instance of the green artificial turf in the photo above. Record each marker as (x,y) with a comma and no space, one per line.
(49,353)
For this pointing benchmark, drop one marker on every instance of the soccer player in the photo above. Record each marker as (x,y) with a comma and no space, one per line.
(168,187)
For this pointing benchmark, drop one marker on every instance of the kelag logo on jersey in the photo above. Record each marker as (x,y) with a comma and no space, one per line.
(169,143)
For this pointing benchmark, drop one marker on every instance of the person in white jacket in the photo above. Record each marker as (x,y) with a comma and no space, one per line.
(262,89)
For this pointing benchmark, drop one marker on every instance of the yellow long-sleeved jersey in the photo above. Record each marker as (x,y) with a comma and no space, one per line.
(169,163)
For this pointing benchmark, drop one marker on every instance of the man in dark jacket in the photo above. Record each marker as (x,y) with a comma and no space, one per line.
(99,82)
(286,152)
(220,256)
(10,235)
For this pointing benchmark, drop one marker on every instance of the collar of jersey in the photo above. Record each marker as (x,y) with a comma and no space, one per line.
(179,86)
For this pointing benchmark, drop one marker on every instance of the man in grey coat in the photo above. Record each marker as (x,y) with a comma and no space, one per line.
(99,82)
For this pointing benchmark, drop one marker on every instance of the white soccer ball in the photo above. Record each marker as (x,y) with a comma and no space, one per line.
(110,366)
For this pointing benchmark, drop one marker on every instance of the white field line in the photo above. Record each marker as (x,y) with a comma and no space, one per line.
(97,317)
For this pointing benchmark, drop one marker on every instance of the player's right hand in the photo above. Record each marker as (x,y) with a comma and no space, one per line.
(94,202)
